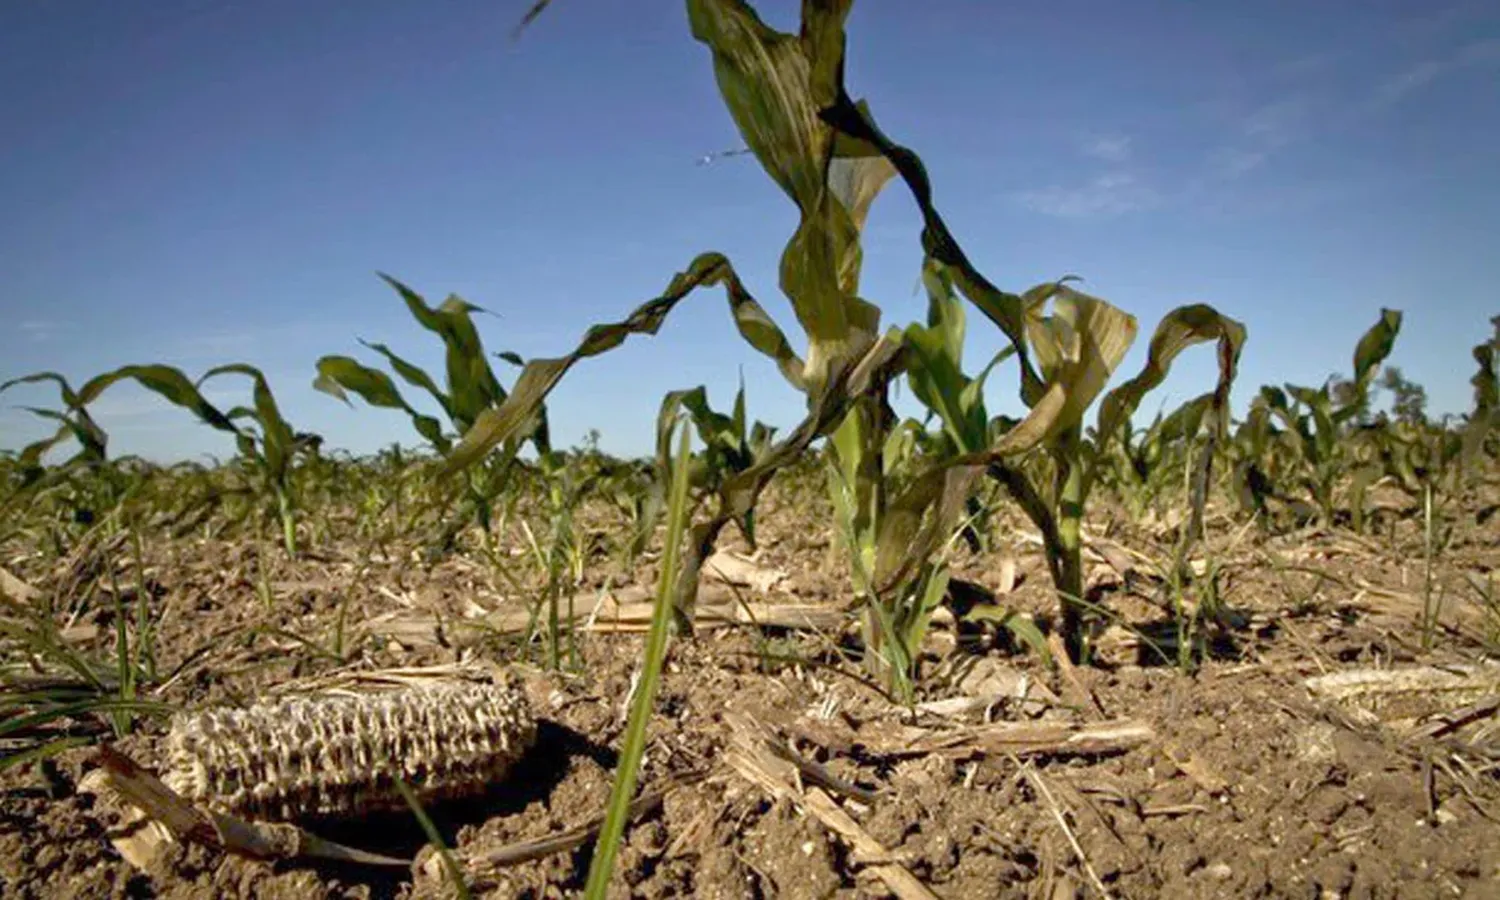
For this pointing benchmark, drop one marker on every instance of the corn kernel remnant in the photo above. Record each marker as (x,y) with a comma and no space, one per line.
(338,755)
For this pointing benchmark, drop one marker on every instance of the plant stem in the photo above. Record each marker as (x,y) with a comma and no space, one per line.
(1069,571)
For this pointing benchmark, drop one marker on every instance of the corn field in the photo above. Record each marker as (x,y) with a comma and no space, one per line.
(1070,652)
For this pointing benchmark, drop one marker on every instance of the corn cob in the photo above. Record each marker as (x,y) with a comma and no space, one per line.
(338,755)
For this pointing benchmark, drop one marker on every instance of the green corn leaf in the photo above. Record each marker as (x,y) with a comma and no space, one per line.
(416,377)
(69,398)
(1005,310)
(91,439)
(1375,345)
(974,392)
(166,382)
(472,387)
(738,415)
(1184,422)
(934,588)
(934,364)
(939,385)
(31,455)
(945,311)
(336,374)
(1178,330)
(1024,628)
(540,376)
(774,85)
(715,430)
(633,745)
(75,423)
(1274,398)
(276,436)
(43,751)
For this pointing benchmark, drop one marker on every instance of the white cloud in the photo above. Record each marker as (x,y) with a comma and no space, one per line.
(1109,195)
(1255,136)
(1480,53)
(1415,77)
(38,330)
(222,344)
(1114,148)
(1278,121)
(1406,82)
(1232,162)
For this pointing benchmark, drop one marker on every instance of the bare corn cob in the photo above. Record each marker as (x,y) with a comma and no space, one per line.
(336,755)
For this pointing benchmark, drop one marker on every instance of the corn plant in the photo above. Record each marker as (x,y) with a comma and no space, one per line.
(73,421)
(1430,462)
(1066,358)
(786,94)
(730,445)
(1141,465)
(470,389)
(637,493)
(1317,425)
(565,481)
(1482,428)
(268,446)
(772,84)
(74,475)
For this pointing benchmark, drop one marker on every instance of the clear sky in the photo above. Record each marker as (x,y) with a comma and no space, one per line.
(199,182)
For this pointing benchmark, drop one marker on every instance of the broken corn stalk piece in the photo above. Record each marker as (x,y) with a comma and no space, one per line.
(340,754)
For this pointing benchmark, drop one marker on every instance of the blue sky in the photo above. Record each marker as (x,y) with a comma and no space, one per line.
(201,182)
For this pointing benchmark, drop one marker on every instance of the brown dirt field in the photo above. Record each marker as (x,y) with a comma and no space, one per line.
(1250,785)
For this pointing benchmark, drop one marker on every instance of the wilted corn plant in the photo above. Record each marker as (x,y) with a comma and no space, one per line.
(71,479)
(730,444)
(1145,464)
(267,444)
(786,95)
(1432,462)
(1318,443)
(1066,358)
(1422,457)
(770,86)
(471,390)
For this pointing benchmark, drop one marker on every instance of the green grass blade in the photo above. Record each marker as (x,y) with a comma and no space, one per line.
(22,722)
(450,864)
(43,751)
(634,746)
